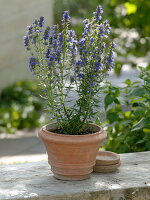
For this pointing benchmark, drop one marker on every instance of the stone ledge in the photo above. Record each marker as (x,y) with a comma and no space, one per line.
(35,181)
(6,160)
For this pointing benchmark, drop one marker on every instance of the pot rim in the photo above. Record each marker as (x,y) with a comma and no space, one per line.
(69,135)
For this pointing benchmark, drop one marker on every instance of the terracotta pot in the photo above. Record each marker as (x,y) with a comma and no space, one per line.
(72,157)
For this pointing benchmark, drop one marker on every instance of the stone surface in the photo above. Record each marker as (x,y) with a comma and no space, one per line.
(35,181)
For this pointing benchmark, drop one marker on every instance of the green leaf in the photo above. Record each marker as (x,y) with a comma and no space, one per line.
(121,138)
(138,92)
(135,82)
(126,122)
(128,81)
(148,145)
(141,141)
(109,98)
(116,101)
(138,111)
(127,114)
(141,124)
(112,117)
(137,100)
(121,100)
(123,149)
(146,130)
(131,139)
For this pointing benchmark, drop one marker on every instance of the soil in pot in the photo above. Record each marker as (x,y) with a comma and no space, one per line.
(86,131)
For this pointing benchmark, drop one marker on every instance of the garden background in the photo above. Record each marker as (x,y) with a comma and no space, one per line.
(127,108)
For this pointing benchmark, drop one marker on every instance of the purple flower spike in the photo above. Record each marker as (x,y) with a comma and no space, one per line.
(66,17)
(85,21)
(46,34)
(113,45)
(99,10)
(110,60)
(80,75)
(92,40)
(32,63)
(86,29)
(30,29)
(91,84)
(71,33)
(98,14)
(27,42)
(41,22)
(82,41)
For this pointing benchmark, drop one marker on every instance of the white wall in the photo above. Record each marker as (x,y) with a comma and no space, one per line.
(15,15)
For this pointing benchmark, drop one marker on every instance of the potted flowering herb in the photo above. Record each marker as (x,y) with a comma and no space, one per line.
(70,72)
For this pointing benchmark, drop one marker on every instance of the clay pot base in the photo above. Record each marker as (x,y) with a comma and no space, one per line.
(71,178)
(71,174)
(107,158)
(106,168)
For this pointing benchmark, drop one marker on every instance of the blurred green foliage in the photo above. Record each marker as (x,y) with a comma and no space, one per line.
(20,107)
(129,19)
(128,115)
(121,13)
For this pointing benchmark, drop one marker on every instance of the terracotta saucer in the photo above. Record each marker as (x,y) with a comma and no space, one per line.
(106,168)
(107,158)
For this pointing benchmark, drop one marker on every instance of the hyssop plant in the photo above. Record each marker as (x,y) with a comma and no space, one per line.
(67,67)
